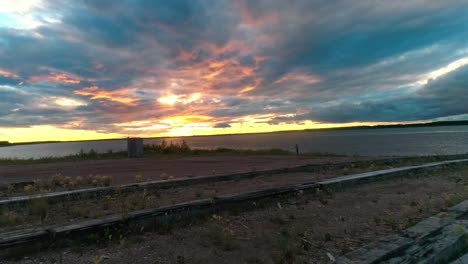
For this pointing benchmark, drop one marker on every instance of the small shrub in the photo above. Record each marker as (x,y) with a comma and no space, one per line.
(164,176)
(98,259)
(8,219)
(57,179)
(137,200)
(4,220)
(95,181)
(458,229)
(286,247)
(80,212)
(89,179)
(139,178)
(165,227)
(72,183)
(106,180)
(29,188)
(321,196)
(92,153)
(391,220)
(79,180)
(106,202)
(184,148)
(222,237)
(39,184)
(165,148)
(39,207)
(449,199)
(67,180)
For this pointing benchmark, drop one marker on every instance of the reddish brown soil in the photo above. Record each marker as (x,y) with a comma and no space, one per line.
(302,230)
(125,170)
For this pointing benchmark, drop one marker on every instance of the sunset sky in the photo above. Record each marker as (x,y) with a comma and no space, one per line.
(92,69)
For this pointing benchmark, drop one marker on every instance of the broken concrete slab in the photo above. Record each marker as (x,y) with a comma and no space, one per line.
(429,226)
(437,239)
(462,260)
(350,180)
(449,243)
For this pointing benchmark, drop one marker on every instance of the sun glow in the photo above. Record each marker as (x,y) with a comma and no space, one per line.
(51,133)
(18,6)
(68,102)
(172,99)
(168,100)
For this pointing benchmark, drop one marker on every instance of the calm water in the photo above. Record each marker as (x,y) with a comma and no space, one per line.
(376,142)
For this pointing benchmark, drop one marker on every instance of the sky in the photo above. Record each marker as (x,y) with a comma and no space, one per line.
(94,69)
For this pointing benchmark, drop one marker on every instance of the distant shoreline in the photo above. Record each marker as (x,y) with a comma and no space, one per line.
(429,124)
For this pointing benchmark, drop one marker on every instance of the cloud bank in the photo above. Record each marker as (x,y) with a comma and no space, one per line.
(188,66)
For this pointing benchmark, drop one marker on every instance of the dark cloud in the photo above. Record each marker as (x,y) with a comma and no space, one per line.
(445,96)
(222,125)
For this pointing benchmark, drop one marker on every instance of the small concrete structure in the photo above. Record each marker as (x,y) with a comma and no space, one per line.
(135,147)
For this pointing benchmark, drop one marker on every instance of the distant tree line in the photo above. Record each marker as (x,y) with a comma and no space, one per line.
(5,143)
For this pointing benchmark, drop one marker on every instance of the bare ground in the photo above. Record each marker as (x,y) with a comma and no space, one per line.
(125,170)
(301,230)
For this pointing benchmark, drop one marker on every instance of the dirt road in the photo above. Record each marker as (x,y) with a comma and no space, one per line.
(125,170)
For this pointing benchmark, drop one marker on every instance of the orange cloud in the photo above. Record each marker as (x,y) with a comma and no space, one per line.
(214,74)
(186,119)
(179,125)
(121,95)
(61,77)
(247,89)
(6,73)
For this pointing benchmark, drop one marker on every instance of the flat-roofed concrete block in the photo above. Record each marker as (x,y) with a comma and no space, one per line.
(135,147)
